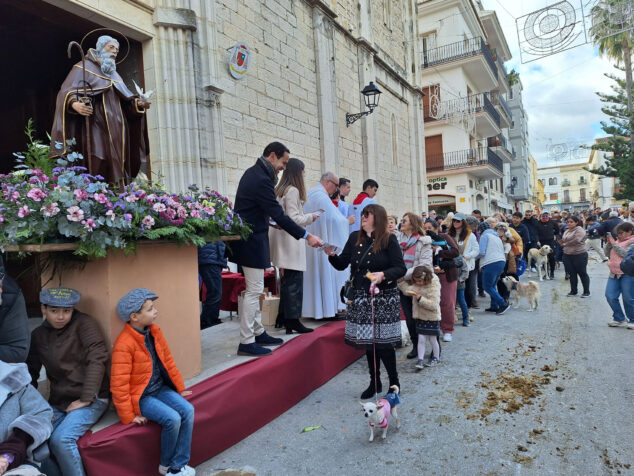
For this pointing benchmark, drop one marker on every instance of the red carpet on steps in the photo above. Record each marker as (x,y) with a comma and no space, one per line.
(228,406)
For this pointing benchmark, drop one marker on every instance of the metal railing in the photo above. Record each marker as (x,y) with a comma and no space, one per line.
(463,158)
(471,104)
(501,141)
(459,50)
(503,75)
(498,100)
(565,183)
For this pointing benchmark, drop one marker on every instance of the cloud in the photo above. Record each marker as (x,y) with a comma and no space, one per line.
(559,91)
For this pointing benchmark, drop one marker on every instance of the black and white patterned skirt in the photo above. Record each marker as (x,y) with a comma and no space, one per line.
(387,319)
(428,328)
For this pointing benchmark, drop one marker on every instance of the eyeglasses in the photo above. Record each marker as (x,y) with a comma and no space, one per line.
(455,219)
(365,213)
(334,183)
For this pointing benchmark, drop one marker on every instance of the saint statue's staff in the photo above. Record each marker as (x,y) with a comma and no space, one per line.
(84,99)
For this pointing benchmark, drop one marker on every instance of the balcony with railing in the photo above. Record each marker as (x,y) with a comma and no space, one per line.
(503,77)
(565,183)
(504,110)
(487,118)
(502,147)
(472,54)
(483,162)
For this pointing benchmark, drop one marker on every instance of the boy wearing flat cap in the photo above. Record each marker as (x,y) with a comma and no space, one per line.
(146,385)
(71,347)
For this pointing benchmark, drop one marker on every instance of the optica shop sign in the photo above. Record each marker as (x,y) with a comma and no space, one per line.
(437,183)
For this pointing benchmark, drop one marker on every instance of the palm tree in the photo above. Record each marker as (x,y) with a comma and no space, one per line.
(609,16)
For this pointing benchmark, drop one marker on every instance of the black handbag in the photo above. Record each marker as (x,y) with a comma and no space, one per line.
(347,290)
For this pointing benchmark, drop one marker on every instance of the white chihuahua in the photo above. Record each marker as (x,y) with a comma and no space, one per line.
(378,413)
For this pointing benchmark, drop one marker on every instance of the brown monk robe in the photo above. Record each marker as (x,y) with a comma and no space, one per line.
(118,132)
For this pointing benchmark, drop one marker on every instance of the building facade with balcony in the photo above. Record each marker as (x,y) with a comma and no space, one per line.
(602,189)
(568,187)
(520,168)
(467,146)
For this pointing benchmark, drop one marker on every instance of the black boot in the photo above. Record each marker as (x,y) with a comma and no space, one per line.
(375,380)
(297,326)
(388,356)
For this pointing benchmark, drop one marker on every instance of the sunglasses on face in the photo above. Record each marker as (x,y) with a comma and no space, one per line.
(366,214)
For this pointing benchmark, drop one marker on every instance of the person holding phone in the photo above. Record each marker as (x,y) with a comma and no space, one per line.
(575,255)
(620,284)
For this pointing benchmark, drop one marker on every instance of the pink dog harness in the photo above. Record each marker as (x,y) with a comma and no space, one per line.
(384,411)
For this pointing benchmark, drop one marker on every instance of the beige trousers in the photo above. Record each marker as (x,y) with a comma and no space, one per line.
(595,244)
(250,316)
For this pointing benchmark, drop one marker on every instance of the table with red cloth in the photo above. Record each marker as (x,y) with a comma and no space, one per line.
(233,284)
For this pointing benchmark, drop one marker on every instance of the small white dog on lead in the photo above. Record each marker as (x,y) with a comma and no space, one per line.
(378,414)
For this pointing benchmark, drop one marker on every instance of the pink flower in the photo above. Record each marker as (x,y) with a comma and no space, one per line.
(159,207)
(44,179)
(148,221)
(151,197)
(24,211)
(196,214)
(14,196)
(75,213)
(80,194)
(89,224)
(1,218)
(199,206)
(110,214)
(50,210)
(100,198)
(171,202)
(36,194)
(170,212)
(190,206)
(209,210)
(131,198)
(182,212)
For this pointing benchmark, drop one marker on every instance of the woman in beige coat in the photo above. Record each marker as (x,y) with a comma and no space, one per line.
(287,253)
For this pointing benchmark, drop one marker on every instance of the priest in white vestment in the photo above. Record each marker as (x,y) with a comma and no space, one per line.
(322,283)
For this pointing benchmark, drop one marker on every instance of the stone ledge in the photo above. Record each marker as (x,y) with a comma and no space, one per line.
(181,18)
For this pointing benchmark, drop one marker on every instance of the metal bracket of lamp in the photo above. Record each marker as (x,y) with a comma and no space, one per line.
(513,185)
(371,97)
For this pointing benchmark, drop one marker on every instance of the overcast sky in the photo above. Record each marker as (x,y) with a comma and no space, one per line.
(559,90)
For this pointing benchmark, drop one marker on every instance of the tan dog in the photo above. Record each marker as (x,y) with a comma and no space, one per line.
(540,257)
(519,290)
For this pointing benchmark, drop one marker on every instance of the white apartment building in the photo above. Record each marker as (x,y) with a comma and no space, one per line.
(467,145)
(520,169)
(602,188)
(550,177)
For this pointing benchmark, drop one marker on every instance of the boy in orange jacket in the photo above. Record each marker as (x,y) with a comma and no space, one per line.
(146,385)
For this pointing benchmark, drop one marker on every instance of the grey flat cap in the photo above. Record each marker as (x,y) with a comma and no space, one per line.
(59,297)
(133,302)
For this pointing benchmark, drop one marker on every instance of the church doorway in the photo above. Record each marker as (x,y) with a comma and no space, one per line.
(35,36)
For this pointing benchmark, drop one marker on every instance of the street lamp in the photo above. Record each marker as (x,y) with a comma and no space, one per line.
(371,97)
(513,185)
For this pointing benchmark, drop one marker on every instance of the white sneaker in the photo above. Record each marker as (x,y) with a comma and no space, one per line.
(185,471)
(446,338)
(163,469)
(630,325)
(618,324)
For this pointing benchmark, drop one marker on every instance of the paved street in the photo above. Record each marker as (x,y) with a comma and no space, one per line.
(546,392)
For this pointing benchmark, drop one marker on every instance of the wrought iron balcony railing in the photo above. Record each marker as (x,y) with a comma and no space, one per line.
(498,100)
(464,158)
(459,50)
(461,106)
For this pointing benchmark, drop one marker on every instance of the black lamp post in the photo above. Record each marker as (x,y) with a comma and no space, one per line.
(371,97)
(513,185)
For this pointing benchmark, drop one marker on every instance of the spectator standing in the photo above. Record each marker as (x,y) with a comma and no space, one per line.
(77,370)
(15,336)
(575,255)
(25,422)
(445,250)
(344,191)
(211,261)
(547,234)
(620,283)
(256,203)
(608,225)
(287,253)
(529,222)
(374,328)
(322,283)
(477,214)
(492,262)
(365,198)
(521,229)
(471,284)
(469,248)
(416,248)
(593,240)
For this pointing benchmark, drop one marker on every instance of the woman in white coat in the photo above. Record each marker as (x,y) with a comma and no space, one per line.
(287,253)
(469,249)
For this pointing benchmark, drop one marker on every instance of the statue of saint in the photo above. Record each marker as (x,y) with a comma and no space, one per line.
(116,125)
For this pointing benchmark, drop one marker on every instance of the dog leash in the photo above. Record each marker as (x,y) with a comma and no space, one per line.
(374,290)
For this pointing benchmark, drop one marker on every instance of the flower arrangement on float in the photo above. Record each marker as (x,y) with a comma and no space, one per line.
(66,204)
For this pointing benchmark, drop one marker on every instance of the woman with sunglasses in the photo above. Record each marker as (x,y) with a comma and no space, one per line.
(468,245)
(416,248)
(373,326)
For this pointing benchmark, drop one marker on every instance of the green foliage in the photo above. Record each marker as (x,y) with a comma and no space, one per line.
(514,77)
(37,153)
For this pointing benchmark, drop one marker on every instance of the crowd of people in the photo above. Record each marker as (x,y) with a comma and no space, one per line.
(361,265)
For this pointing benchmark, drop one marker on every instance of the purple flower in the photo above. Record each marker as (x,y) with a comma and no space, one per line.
(127,216)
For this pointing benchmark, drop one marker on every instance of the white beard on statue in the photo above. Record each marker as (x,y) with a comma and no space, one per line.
(322,282)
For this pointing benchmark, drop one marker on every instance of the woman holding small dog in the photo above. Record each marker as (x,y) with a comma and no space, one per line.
(374,257)
(575,255)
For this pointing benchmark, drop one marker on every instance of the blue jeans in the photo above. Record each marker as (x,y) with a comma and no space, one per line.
(460,299)
(212,277)
(67,429)
(616,288)
(176,416)
(490,275)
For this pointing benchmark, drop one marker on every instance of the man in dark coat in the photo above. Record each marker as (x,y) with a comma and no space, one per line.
(257,206)
(118,132)
(547,233)
(15,335)
(607,226)
(211,260)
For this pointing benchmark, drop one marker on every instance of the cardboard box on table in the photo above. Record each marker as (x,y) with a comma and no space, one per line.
(269,307)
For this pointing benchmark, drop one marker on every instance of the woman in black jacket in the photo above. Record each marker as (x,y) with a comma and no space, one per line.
(373,249)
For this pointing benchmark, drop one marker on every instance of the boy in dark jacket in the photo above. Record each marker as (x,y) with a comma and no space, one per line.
(72,349)
(211,260)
